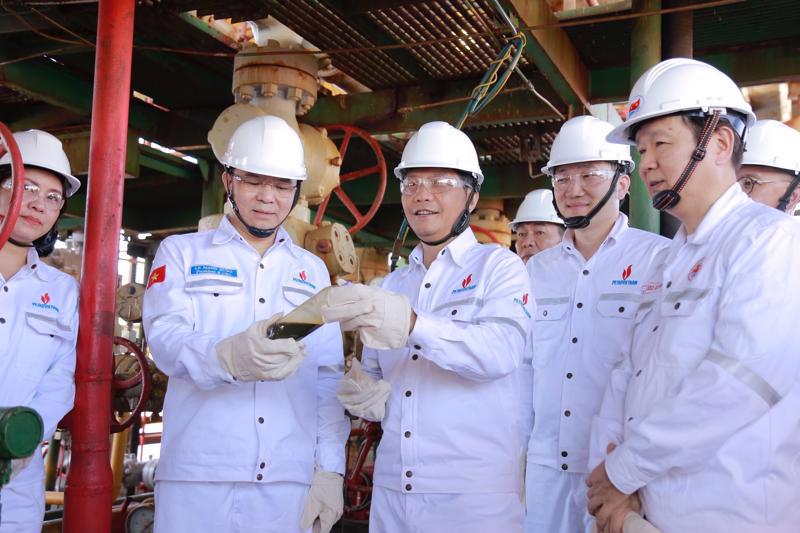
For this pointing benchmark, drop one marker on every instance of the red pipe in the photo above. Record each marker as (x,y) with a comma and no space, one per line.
(88,496)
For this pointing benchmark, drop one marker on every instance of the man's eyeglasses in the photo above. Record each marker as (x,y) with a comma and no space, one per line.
(748,183)
(589,178)
(253,184)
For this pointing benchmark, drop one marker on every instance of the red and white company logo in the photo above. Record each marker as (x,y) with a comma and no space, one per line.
(696,269)
(627,272)
(466,281)
(525,299)
(303,275)
(45,298)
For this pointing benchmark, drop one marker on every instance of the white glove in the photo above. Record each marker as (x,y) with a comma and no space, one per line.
(325,502)
(18,465)
(362,395)
(383,318)
(251,356)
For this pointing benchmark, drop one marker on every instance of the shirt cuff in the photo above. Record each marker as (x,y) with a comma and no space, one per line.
(426,333)
(330,458)
(622,471)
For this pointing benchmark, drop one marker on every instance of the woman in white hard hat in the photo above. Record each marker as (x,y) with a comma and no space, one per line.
(707,418)
(587,295)
(450,455)
(38,315)
(253,433)
(537,226)
(770,171)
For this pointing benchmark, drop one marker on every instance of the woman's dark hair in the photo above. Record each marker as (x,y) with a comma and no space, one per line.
(45,244)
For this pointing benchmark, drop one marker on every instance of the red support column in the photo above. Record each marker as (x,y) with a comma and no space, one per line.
(88,494)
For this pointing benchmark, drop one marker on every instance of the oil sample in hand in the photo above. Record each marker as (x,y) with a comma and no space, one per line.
(291,330)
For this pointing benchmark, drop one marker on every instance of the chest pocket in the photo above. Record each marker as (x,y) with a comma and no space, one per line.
(460,309)
(618,305)
(43,335)
(294,297)
(214,286)
(684,303)
(549,329)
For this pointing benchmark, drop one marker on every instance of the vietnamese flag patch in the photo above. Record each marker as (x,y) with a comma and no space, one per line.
(157,276)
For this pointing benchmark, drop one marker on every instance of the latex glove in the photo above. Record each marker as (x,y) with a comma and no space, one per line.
(362,395)
(383,318)
(251,356)
(634,523)
(325,502)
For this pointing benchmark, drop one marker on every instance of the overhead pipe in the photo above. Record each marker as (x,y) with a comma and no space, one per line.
(89,496)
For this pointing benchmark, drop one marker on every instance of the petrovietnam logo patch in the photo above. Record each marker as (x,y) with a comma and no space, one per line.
(466,285)
(696,269)
(45,303)
(302,279)
(522,302)
(634,106)
(625,275)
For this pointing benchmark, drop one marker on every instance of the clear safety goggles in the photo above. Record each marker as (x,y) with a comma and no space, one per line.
(440,185)
(53,200)
(587,178)
(253,184)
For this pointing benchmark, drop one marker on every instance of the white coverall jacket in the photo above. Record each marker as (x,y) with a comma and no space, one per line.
(38,331)
(707,404)
(452,422)
(584,319)
(209,286)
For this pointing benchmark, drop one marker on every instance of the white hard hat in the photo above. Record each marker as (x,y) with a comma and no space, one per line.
(266,145)
(773,144)
(583,139)
(536,207)
(678,85)
(41,149)
(440,145)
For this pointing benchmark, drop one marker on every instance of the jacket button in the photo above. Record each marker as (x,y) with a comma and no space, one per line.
(621,309)
(585,272)
(409,473)
(580,305)
(5,288)
(33,266)
(260,419)
(407,434)
(630,418)
(415,357)
(544,313)
(408,393)
(2,320)
(655,329)
(281,240)
(408,486)
(216,295)
(427,285)
(564,454)
(262,465)
(567,412)
(669,284)
(677,306)
(564,467)
(261,265)
(574,340)
(259,477)
(569,375)
(261,300)
(454,311)
(417,347)
(639,373)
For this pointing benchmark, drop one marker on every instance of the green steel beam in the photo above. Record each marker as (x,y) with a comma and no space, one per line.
(552,51)
(747,67)
(645,52)
(407,108)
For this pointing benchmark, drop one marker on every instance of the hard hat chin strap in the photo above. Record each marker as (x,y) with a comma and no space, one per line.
(783,202)
(460,224)
(258,232)
(15,242)
(670,198)
(582,221)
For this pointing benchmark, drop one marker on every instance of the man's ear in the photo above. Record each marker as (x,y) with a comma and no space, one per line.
(722,142)
(474,201)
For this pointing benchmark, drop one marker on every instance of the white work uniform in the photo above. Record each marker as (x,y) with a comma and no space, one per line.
(452,419)
(38,331)
(710,417)
(205,287)
(584,317)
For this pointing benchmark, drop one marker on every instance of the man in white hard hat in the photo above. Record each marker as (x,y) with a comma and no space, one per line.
(449,458)
(707,419)
(253,433)
(537,226)
(587,295)
(770,171)
(38,315)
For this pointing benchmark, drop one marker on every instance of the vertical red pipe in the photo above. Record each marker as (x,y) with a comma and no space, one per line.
(88,493)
